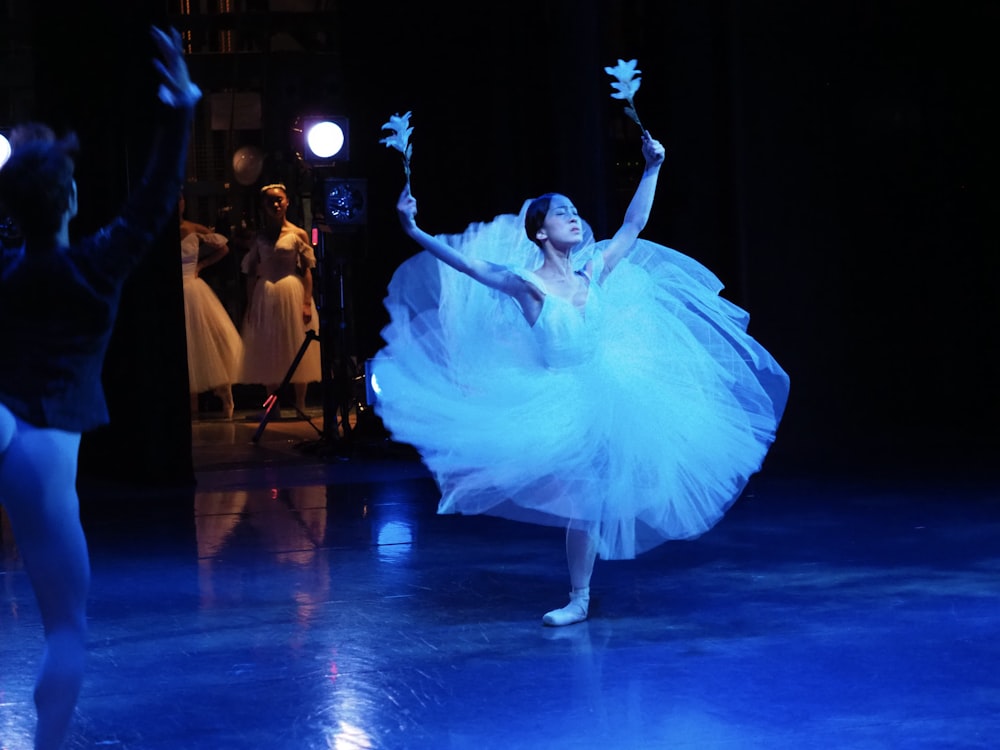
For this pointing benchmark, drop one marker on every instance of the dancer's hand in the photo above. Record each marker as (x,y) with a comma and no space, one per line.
(176,88)
(652,150)
(406,208)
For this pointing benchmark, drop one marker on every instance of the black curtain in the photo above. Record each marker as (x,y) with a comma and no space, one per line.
(865,181)
(94,75)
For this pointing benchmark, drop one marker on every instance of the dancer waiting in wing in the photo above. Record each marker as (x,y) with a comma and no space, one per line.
(280,306)
(214,346)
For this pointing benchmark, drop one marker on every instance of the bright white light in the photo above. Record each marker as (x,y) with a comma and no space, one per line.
(325,139)
(4,150)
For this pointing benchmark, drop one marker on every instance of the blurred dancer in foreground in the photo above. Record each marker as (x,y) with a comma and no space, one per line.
(58,302)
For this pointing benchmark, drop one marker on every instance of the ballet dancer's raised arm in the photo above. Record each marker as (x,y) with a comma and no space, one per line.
(639,207)
(492,275)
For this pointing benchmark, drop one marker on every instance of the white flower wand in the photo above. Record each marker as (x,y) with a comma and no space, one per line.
(400,140)
(625,86)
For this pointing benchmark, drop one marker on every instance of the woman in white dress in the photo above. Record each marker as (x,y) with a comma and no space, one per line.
(214,346)
(605,388)
(280,301)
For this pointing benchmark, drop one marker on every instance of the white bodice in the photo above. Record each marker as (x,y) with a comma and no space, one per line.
(566,334)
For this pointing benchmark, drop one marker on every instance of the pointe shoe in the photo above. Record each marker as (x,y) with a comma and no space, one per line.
(574,612)
(225,394)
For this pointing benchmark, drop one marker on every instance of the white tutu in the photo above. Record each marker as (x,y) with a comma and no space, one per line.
(640,420)
(214,346)
(274,330)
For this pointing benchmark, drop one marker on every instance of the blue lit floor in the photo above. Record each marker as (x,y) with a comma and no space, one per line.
(297,601)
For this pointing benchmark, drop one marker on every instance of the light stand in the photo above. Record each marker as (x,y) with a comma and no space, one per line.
(339,211)
(335,348)
(339,217)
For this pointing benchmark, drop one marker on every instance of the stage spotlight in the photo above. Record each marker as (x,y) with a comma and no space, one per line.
(325,140)
(4,149)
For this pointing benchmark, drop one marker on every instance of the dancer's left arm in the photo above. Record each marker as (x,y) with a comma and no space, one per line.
(307,298)
(307,281)
(638,209)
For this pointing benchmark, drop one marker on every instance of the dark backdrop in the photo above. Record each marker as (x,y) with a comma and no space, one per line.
(833,162)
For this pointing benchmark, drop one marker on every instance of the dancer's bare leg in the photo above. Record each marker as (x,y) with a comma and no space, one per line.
(38,490)
(225,392)
(581,552)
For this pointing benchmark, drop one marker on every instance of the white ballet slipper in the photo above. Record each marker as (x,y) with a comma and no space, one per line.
(574,612)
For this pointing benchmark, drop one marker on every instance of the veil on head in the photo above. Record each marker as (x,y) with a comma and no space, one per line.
(580,253)
(504,242)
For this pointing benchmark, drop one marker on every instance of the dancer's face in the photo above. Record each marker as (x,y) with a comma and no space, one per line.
(562,223)
(275,203)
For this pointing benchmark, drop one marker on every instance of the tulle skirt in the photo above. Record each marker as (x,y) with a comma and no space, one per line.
(274,331)
(651,438)
(214,347)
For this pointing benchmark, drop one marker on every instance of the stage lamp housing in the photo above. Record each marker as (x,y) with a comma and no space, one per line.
(346,202)
(323,140)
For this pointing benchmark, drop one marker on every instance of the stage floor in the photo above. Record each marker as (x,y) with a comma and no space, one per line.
(301,598)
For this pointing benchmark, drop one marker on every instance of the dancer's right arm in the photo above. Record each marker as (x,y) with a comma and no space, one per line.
(212,248)
(491,274)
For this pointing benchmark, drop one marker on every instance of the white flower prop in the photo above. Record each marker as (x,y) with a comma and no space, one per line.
(625,86)
(400,139)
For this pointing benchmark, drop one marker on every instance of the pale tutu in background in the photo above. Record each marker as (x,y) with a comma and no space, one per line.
(214,346)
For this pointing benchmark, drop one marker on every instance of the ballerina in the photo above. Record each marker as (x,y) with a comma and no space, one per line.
(605,388)
(214,346)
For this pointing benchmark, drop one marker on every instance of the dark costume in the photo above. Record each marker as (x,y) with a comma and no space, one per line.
(58,307)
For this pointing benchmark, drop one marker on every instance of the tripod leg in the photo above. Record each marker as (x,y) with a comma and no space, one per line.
(272,400)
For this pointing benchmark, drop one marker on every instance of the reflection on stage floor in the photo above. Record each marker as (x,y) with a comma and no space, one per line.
(306,597)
